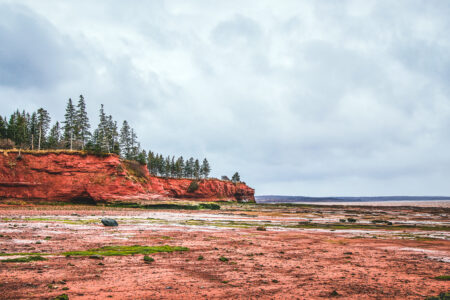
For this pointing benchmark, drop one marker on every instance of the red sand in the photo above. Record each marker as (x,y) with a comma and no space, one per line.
(279,263)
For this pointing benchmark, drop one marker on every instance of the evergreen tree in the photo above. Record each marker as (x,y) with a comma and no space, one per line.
(189,168)
(236,177)
(69,124)
(142,157)
(102,131)
(82,122)
(167,167)
(33,131)
(196,169)
(179,167)
(43,123)
(125,140)
(205,168)
(151,162)
(54,137)
(3,128)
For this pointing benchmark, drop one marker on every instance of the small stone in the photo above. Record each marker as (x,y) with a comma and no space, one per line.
(109,222)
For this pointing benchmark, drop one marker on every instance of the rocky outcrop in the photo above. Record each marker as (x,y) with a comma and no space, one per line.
(79,177)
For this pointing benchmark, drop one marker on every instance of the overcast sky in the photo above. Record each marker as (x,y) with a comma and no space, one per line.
(310,98)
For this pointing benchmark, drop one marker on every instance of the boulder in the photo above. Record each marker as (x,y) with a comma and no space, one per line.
(109,222)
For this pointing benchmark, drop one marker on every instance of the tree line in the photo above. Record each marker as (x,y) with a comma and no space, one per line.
(32,131)
(171,167)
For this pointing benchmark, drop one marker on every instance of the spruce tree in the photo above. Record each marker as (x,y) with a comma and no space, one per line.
(3,128)
(82,122)
(236,177)
(69,124)
(196,169)
(167,167)
(54,137)
(33,131)
(125,140)
(205,168)
(43,123)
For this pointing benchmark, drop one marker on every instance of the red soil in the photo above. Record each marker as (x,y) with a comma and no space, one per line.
(272,264)
(87,178)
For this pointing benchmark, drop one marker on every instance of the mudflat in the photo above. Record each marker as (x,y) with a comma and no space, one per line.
(241,251)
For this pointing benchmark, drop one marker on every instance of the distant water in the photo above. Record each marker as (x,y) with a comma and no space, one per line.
(429,201)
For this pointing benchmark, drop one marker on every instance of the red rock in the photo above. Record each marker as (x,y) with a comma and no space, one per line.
(72,177)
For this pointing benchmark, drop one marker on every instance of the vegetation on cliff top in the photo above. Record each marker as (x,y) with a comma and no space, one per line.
(32,132)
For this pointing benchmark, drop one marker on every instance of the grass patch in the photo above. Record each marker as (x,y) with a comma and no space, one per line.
(148,259)
(125,250)
(25,259)
(443,277)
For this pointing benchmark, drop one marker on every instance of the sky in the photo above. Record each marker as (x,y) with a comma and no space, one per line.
(315,98)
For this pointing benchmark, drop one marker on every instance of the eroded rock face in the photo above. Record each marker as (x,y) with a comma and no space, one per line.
(91,179)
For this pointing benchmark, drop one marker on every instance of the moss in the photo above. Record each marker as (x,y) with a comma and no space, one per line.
(125,250)
(213,206)
(25,259)
(443,277)
(16,253)
(148,259)
(223,259)
(61,297)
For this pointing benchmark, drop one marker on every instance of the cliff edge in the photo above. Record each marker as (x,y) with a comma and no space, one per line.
(78,177)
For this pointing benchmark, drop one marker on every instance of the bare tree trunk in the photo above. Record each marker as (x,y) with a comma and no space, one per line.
(71,138)
(32,141)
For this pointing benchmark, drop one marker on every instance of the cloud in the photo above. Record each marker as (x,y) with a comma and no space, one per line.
(312,98)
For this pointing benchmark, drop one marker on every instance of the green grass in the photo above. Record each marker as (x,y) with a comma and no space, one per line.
(28,254)
(148,259)
(125,250)
(25,259)
(443,277)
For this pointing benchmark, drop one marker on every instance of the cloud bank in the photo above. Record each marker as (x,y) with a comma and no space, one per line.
(302,97)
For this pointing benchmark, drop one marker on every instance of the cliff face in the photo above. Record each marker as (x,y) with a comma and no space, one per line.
(90,179)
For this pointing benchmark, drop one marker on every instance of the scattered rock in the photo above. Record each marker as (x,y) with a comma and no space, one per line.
(109,222)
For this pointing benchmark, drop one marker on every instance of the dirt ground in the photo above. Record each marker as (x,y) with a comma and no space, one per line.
(268,252)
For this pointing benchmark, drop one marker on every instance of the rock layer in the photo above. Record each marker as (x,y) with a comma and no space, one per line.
(77,177)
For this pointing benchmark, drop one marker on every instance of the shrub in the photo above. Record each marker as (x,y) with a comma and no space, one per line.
(351,220)
(193,186)
(209,206)
(342,220)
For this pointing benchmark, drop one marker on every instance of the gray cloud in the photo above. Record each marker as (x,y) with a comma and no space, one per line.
(311,98)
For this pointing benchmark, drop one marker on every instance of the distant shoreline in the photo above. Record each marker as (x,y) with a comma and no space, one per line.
(417,203)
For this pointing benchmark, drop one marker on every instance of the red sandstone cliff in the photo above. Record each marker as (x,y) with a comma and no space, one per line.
(72,177)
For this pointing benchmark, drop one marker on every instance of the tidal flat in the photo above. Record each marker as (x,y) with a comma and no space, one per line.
(280,251)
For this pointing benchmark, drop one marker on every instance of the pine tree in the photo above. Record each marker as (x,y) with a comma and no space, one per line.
(54,137)
(236,177)
(205,168)
(82,122)
(43,123)
(69,124)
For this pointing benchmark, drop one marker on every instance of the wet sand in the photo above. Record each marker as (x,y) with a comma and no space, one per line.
(272,252)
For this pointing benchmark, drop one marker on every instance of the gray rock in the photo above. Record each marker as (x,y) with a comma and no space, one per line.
(109,222)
